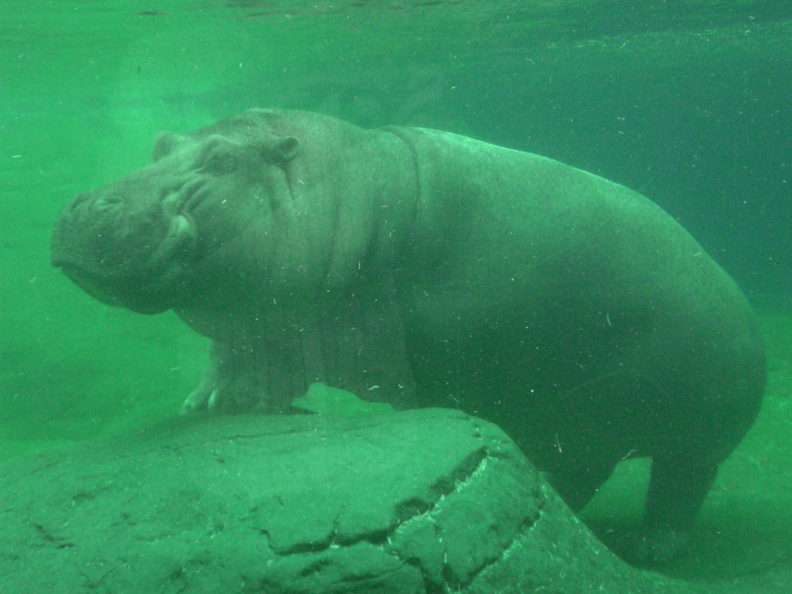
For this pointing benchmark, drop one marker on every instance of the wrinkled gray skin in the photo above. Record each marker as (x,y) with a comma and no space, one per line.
(424,268)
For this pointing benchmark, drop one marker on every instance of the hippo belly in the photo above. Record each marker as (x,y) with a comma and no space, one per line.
(424,268)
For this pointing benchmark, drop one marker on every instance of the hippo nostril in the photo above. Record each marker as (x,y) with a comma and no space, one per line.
(79,199)
(108,202)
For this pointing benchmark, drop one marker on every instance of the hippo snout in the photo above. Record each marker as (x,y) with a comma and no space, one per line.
(90,231)
(123,249)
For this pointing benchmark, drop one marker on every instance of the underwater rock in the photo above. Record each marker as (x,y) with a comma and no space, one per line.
(422,501)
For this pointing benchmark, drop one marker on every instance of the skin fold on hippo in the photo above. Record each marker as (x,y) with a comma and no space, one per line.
(423,268)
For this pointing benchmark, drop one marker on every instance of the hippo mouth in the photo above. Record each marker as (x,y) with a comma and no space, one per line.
(178,239)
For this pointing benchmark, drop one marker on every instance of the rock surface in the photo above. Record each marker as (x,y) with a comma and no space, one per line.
(420,501)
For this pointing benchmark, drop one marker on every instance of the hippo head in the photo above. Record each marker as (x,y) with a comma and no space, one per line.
(139,242)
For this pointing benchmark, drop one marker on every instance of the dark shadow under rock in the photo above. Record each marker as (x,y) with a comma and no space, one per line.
(420,501)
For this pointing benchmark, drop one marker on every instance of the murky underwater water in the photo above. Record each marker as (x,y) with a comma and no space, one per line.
(688,104)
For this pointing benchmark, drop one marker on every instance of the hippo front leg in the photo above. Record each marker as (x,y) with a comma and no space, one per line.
(359,349)
(231,383)
(199,398)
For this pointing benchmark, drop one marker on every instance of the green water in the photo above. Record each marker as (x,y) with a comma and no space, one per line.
(687,102)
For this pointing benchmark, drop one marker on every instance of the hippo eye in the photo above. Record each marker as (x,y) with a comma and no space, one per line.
(218,156)
(219,162)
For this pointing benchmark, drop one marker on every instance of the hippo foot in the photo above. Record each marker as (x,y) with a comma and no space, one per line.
(217,398)
(656,546)
(203,398)
(226,387)
(227,396)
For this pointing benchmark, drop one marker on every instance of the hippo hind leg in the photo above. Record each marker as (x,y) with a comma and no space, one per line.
(577,484)
(677,489)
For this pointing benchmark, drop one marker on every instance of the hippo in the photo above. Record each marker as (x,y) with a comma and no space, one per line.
(426,269)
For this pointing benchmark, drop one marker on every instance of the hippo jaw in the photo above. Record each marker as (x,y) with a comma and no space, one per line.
(125,250)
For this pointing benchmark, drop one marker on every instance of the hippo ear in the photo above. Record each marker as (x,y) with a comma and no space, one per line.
(167,143)
(279,150)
